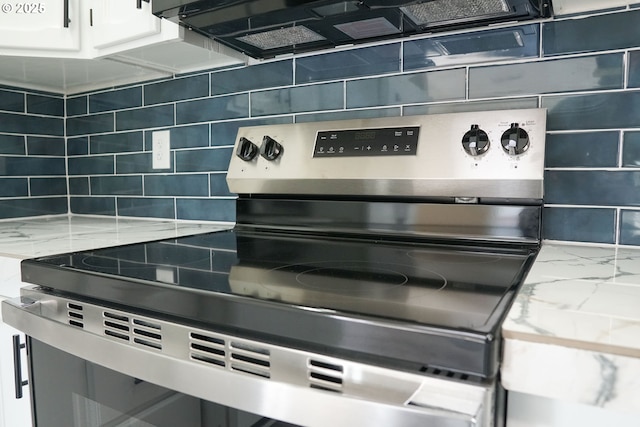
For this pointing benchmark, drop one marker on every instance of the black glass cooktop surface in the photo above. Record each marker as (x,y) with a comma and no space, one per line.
(455,287)
(274,282)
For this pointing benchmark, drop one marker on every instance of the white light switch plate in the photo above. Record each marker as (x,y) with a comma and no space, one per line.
(161,149)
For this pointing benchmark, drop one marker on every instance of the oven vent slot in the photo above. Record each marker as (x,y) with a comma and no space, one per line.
(147,333)
(132,330)
(75,315)
(325,376)
(250,359)
(207,349)
(116,326)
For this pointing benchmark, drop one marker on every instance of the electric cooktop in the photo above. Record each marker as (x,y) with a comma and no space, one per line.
(457,287)
(334,287)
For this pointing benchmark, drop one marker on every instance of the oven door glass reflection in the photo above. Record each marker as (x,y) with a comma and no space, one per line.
(69,391)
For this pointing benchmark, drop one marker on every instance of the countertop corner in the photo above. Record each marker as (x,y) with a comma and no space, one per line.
(573,332)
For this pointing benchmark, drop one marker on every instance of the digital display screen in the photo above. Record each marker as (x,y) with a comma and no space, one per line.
(397,141)
(365,135)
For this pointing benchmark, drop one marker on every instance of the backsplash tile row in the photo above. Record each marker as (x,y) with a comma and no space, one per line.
(585,71)
(32,154)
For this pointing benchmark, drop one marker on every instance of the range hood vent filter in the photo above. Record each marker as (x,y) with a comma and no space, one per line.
(282,37)
(436,11)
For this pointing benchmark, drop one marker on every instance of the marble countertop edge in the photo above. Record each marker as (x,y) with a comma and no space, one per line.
(596,347)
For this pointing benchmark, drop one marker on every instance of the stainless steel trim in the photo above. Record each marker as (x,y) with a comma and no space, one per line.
(502,223)
(356,393)
(440,166)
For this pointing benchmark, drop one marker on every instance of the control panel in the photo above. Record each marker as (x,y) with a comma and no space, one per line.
(396,141)
(492,154)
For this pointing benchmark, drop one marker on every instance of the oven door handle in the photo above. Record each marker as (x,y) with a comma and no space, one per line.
(17,365)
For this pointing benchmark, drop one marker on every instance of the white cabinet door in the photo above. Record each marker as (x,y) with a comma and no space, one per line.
(13,412)
(49,28)
(115,23)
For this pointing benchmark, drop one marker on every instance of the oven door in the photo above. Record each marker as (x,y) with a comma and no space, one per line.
(83,374)
(72,392)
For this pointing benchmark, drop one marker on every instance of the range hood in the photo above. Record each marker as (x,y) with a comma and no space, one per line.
(267,28)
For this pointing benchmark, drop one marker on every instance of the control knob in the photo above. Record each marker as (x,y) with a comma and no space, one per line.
(270,148)
(247,150)
(515,140)
(475,141)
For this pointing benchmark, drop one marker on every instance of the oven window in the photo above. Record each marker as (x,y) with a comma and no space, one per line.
(71,392)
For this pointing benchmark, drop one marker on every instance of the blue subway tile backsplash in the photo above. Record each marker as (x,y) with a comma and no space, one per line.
(584,149)
(169,185)
(45,146)
(115,100)
(580,224)
(31,125)
(368,61)
(45,105)
(176,90)
(630,227)
(184,137)
(117,185)
(35,206)
(48,186)
(136,163)
(12,101)
(211,109)
(33,166)
(458,107)
(631,150)
(634,69)
(600,187)
(591,34)
(96,146)
(116,142)
(609,110)
(95,123)
(77,106)
(94,165)
(558,75)
(141,206)
(407,89)
(206,209)
(481,46)
(14,187)
(146,117)
(79,186)
(327,96)
(93,205)
(214,159)
(12,144)
(274,74)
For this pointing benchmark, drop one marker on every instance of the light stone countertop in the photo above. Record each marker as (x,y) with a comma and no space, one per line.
(573,332)
(41,236)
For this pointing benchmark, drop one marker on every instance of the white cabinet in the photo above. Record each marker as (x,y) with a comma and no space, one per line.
(13,412)
(48,28)
(107,43)
(120,25)
(122,32)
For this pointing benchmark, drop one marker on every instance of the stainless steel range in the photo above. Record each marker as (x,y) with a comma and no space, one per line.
(364,283)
